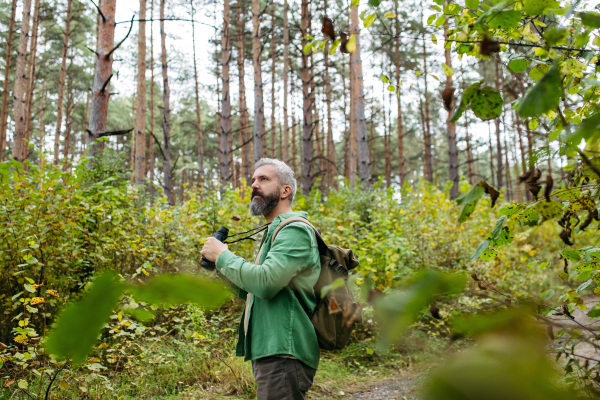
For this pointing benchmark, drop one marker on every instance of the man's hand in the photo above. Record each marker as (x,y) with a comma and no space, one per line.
(213,248)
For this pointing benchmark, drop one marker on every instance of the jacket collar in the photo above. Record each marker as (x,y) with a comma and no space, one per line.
(284,216)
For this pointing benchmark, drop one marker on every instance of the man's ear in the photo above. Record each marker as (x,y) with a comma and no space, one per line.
(287,191)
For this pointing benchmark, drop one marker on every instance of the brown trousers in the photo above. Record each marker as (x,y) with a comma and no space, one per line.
(279,378)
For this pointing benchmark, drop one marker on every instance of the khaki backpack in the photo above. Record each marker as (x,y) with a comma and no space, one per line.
(336,313)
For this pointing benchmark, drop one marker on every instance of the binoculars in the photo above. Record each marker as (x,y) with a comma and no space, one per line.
(220,235)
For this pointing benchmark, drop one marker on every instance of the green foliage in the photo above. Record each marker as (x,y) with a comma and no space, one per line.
(543,96)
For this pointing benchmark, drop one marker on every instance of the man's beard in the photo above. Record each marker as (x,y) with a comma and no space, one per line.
(262,204)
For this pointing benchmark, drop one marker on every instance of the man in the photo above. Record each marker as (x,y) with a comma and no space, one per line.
(275,332)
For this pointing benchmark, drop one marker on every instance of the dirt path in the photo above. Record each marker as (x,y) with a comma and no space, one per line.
(402,388)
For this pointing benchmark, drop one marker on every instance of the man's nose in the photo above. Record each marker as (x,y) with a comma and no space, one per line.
(255,185)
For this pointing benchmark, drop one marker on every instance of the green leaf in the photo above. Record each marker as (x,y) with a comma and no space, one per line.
(547,294)
(178,289)
(375,3)
(537,7)
(308,37)
(498,227)
(447,70)
(440,21)
(487,104)
(506,20)
(543,96)
(78,326)
(464,102)
(549,209)
(571,255)
(472,4)
(369,20)
(529,217)
(488,255)
(23,384)
(452,9)
(431,19)
(511,209)
(588,129)
(480,249)
(433,39)
(362,14)
(505,237)
(307,48)
(590,18)
(469,201)
(439,2)
(338,283)
(584,285)
(391,88)
(334,46)
(354,3)
(518,65)
(385,79)
(538,71)
(555,35)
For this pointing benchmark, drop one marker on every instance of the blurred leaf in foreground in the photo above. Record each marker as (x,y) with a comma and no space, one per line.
(78,326)
(509,362)
(396,311)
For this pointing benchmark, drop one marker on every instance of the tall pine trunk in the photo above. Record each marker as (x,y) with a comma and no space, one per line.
(200,143)
(68,124)
(452,149)
(224,149)
(151,158)
(400,127)
(259,116)
(20,105)
(293,138)
(286,66)
(243,108)
(168,179)
(346,128)
(331,164)
(5,91)
(352,138)
(102,76)
(307,124)
(362,145)
(61,82)
(273,48)
(427,123)
(140,129)
(386,146)
(31,79)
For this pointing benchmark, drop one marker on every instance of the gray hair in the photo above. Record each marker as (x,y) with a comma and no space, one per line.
(284,173)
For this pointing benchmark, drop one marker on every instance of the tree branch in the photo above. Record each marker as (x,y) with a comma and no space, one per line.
(106,83)
(158,143)
(167,19)
(114,133)
(99,12)
(121,42)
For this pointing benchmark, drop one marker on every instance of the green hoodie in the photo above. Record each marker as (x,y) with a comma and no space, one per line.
(277,321)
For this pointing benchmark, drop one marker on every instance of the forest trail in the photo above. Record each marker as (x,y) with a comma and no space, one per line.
(404,387)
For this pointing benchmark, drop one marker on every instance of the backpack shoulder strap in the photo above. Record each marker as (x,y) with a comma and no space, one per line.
(288,221)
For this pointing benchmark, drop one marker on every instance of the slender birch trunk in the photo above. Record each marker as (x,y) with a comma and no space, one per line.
(168,185)
(42,128)
(307,125)
(499,171)
(244,118)
(258,86)
(61,82)
(5,91)
(286,66)
(20,105)
(452,148)
(140,130)
(362,145)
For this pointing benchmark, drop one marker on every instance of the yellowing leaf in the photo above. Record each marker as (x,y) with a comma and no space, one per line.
(351,45)
(389,15)
(221,212)
(433,39)
(341,228)
(64,385)
(368,22)
(447,70)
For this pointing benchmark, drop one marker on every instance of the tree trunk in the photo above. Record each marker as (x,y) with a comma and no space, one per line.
(427,123)
(470,166)
(386,146)
(225,167)
(168,185)
(102,76)
(68,125)
(362,145)
(352,138)
(5,92)
(509,189)
(286,66)
(151,159)
(140,130)
(294,150)
(491,153)
(452,149)
(20,105)
(31,79)
(331,164)
(500,170)
(61,82)
(132,144)
(258,86)
(42,128)
(516,163)
(244,119)
(346,130)
(307,147)
(273,48)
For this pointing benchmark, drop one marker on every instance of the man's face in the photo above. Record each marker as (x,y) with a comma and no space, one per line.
(266,191)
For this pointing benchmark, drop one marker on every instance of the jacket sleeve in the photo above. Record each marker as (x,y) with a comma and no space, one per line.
(291,252)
